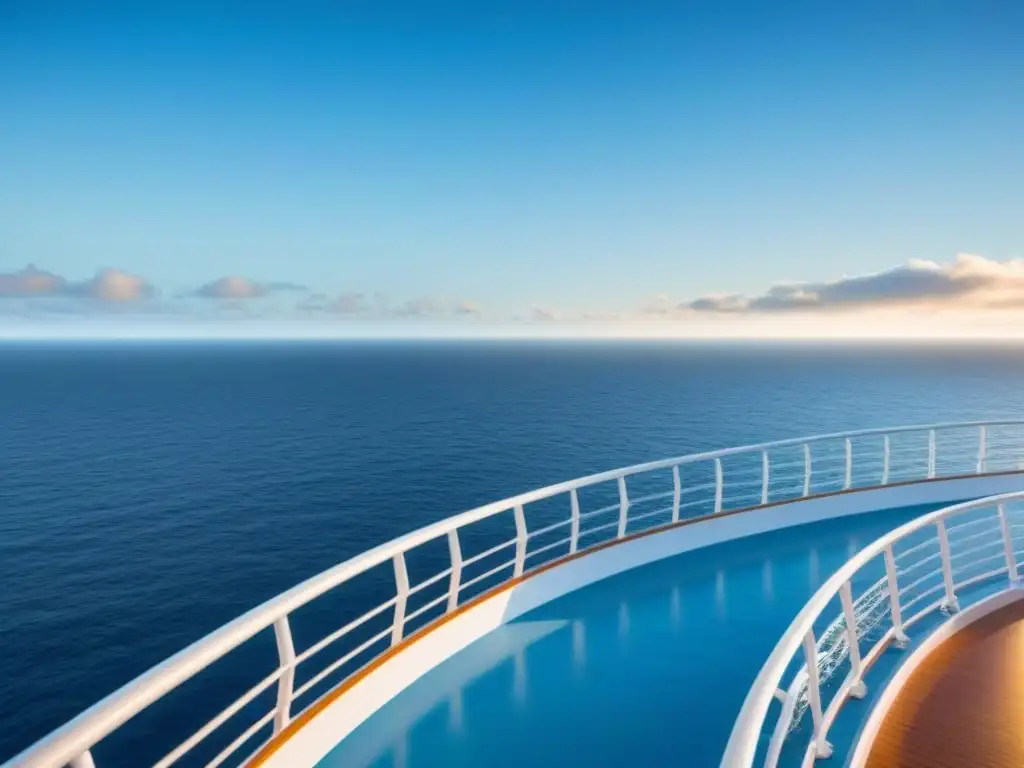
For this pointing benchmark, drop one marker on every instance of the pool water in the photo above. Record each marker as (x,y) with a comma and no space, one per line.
(649,667)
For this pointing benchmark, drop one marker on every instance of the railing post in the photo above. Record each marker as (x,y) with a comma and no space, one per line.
(718,486)
(788,701)
(1011,557)
(401,596)
(950,604)
(765,476)
(455,552)
(821,747)
(677,492)
(982,450)
(885,460)
(807,469)
(84,760)
(848,480)
(623,507)
(894,599)
(285,683)
(574,523)
(521,539)
(931,454)
(857,688)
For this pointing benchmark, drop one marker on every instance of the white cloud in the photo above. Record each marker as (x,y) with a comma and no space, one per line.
(719,302)
(115,285)
(433,307)
(659,304)
(234,287)
(284,286)
(31,282)
(347,303)
(601,317)
(421,307)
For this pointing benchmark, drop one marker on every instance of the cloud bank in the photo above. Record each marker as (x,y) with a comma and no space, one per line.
(968,289)
(970,282)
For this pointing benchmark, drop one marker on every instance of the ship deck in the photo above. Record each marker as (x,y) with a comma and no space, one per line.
(636,669)
(964,706)
(704,606)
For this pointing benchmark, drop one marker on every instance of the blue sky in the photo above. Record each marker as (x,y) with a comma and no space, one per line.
(345,167)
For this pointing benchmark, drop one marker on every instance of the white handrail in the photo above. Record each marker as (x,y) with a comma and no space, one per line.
(743,741)
(72,742)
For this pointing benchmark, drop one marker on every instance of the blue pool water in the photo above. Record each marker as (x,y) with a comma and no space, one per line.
(150,493)
(640,669)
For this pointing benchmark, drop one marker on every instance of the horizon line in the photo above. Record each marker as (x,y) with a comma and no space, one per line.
(550,338)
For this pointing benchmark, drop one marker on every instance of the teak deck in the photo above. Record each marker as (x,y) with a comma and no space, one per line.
(964,706)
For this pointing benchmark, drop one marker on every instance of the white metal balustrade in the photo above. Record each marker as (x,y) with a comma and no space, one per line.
(541,526)
(914,575)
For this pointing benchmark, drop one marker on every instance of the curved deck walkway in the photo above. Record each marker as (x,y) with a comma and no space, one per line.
(639,669)
(964,706)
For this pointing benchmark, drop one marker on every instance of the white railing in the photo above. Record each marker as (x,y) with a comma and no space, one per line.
(434,571)
(915,575)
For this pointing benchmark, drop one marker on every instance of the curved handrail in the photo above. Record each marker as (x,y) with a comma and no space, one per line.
(72,742)
(747,731)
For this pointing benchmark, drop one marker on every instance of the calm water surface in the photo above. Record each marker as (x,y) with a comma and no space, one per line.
(150,493)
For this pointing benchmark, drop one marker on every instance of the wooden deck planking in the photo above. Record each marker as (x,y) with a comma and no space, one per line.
(964,706)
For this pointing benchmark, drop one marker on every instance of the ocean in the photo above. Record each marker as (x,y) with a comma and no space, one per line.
(151,492)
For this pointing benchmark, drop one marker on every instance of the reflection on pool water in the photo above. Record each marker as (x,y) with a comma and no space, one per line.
(649,667)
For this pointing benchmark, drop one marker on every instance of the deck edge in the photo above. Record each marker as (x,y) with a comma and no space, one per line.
(872,726)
